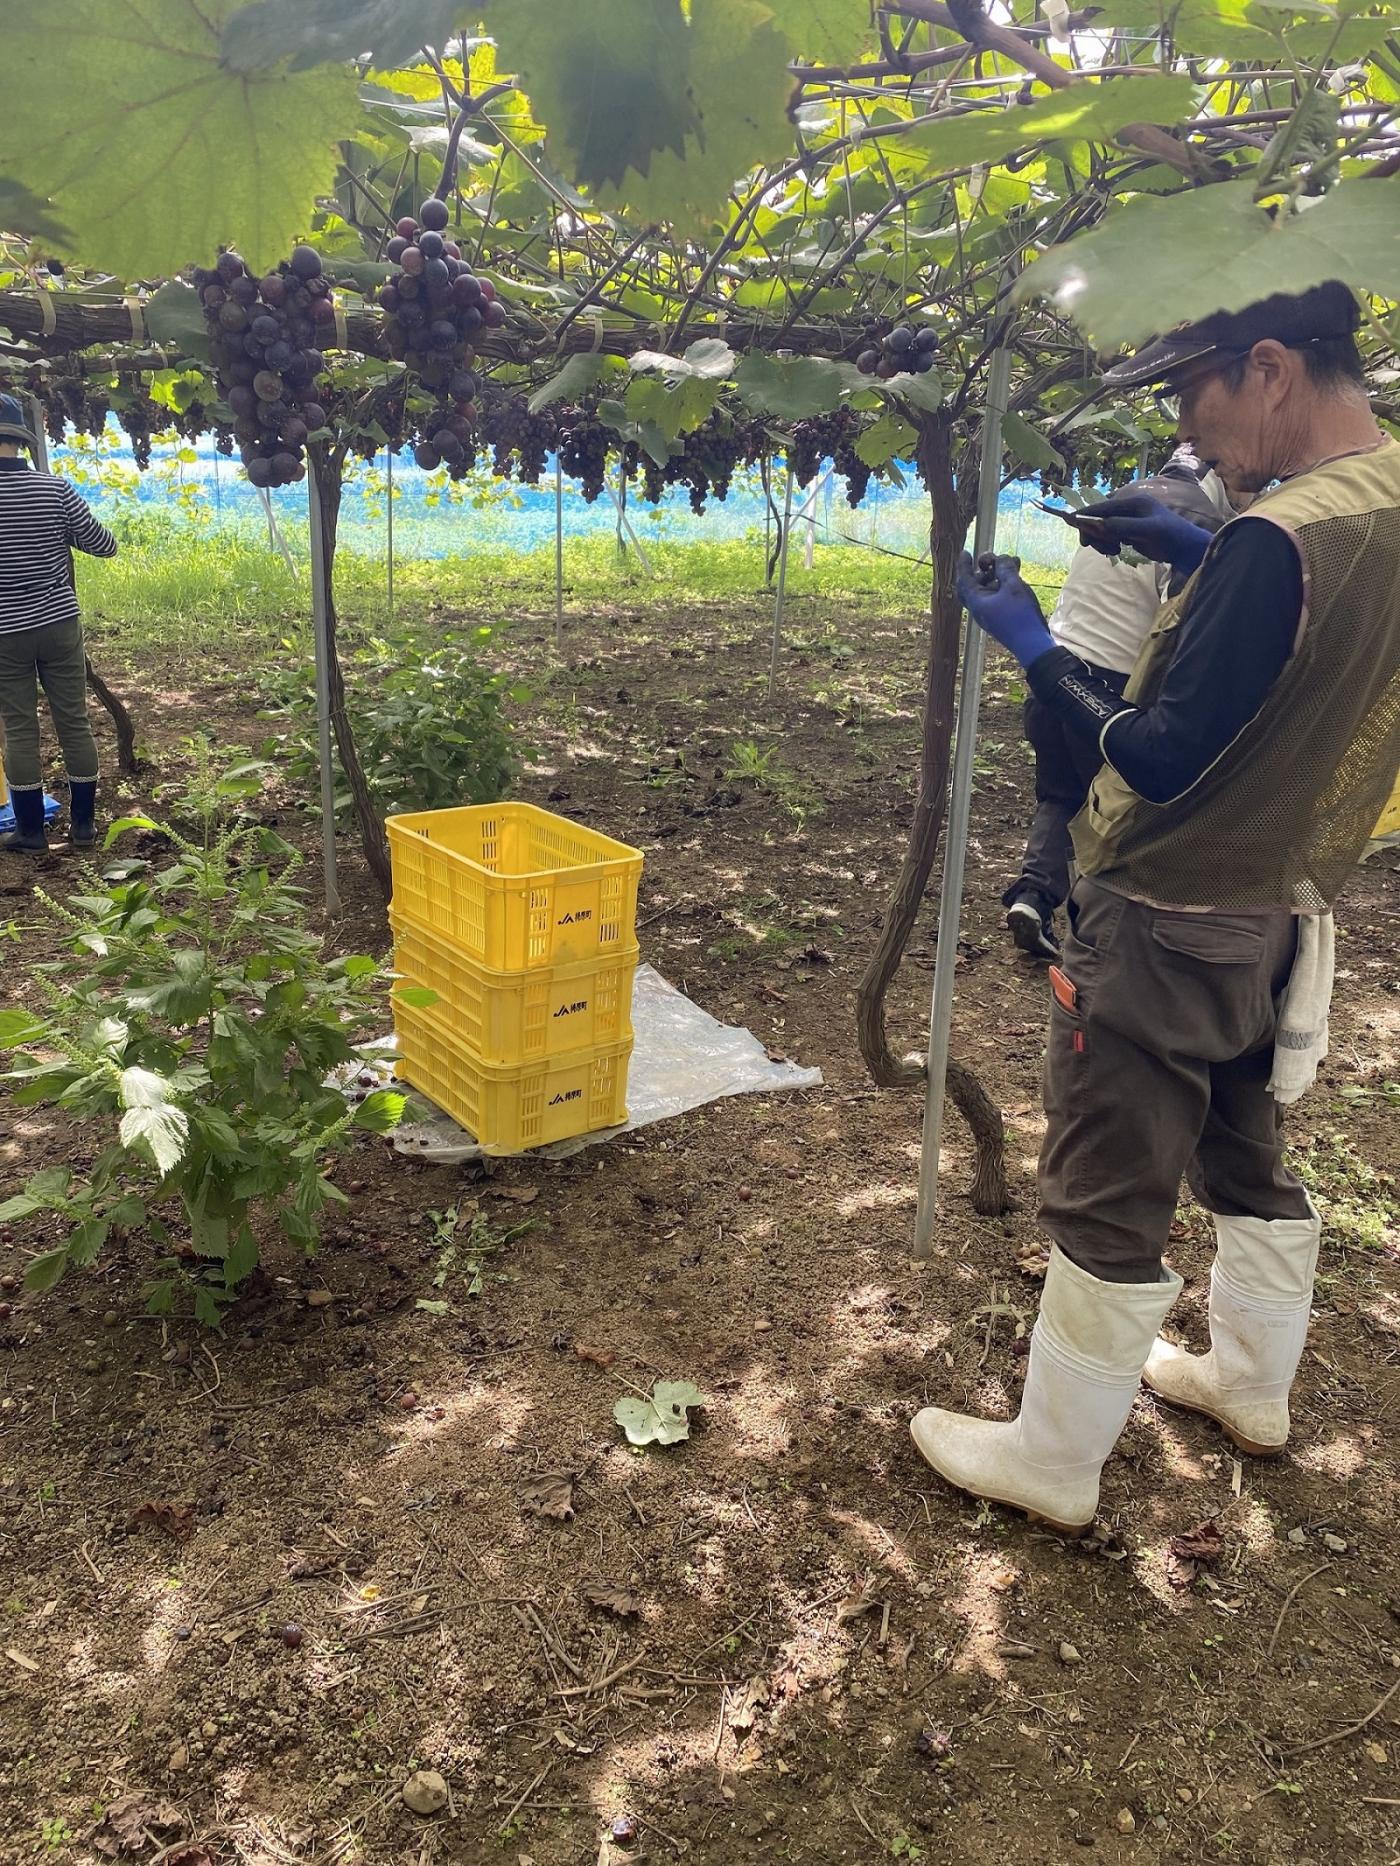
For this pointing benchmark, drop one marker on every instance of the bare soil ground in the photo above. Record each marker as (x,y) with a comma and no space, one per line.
(381,1539)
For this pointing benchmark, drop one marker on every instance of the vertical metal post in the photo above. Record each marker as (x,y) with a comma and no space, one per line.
(389,510)
(558,557)
(320,622)
(782,586)
(959,813)
(624,523)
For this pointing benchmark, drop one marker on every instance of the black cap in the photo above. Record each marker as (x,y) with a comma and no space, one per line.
(1290,318)
(13,426)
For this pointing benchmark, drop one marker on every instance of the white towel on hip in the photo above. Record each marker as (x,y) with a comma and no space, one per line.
(1300,1043)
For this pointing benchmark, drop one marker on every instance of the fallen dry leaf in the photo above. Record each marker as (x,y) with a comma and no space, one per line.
(1199,1548)
(319,1298)
(133,1823)
(612,1599)
(518,1195)
(600,1357)
(1104,1542)
(815,955)
(22,1659)
(746,1703)
(176,1519)
(551,1494)
(1033,1259)
(863,1600)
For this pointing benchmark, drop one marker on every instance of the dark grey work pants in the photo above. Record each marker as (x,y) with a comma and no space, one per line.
(1159,1067)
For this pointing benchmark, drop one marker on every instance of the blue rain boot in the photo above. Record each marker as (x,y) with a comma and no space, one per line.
(82,812)
(28,837)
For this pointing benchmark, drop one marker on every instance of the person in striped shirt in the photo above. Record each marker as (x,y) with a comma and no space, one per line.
(42,522)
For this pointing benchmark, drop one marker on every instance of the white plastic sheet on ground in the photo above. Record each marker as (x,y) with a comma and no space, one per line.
(683,1058)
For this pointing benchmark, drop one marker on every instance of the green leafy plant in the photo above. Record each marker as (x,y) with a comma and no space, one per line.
(195,1015)
(760,765)
(428,722)
(466,1241)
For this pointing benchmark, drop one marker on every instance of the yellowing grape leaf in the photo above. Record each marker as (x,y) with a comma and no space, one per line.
(1161,261)
(608,78)
(169,151)
(1088,111)
(738,85)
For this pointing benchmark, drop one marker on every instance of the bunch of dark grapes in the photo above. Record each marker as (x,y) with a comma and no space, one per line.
(584,445)
(813,440)
(445,435)
(223,441)
(852,469)
(654,479)
(139,417)
(264,351)
(900,351)
(437,306)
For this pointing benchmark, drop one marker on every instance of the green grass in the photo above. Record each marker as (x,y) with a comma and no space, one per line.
(176,588)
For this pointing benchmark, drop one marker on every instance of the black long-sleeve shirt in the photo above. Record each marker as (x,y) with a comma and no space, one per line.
(1232,643)
(42,520)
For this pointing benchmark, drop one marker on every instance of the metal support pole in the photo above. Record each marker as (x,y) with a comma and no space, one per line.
(274,532)
(782,587)
(389,511)
(959,813)
(320,622)
(558,557)
(624,523)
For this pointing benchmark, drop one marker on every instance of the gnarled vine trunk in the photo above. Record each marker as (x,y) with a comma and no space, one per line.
(328,480)
(948,526)
(125,726)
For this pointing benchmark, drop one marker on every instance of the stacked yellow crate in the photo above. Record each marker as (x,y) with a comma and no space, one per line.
(525,926)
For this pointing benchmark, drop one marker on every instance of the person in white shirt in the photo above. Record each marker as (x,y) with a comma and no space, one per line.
(1105,610)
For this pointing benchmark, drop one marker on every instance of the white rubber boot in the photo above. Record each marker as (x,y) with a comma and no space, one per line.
(1087,1350)
(1260,1299)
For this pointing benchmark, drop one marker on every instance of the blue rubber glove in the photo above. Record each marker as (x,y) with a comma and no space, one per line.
(1006,607)
(1147,526)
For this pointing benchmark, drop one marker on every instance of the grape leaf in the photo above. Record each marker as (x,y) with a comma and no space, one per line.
(662,1418)
(889,438)
(608,78)
(316,32)
(172,151)
(1162,260)
(1082,112)
(23,212)
(736,117)
(1251,30)
(1028,444)
(574,380)
(710,357)
(175,316)
(675,408)
(832,32)
(791,388)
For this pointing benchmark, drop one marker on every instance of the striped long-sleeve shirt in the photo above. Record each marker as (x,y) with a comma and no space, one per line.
(42,521)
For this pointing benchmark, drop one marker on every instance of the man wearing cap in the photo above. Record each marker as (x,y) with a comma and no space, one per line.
(1103,615)
(1243,769)
(42,521)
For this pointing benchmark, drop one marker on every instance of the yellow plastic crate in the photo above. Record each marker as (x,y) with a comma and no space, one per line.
(517,1017)
(514,887)
(514,1107)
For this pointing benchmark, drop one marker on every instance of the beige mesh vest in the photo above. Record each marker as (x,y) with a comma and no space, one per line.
(1285,812)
